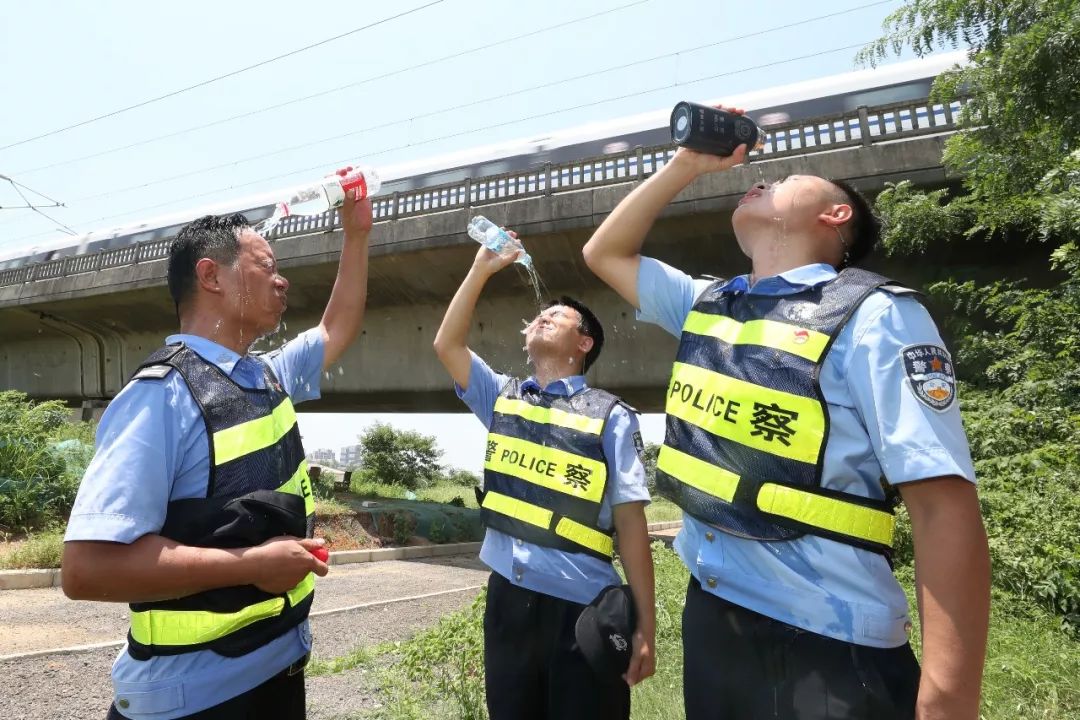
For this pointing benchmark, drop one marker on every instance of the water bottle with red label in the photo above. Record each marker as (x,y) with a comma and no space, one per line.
(326,194)
(329,193)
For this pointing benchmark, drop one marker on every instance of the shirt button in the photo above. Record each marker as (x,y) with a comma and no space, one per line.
(517,576)
(122,703)
(709,536)
(711,582)
(519,542)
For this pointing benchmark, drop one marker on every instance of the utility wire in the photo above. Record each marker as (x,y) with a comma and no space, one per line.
(443,59)
(460,106)
(218,78)
(324,165)
(19,189)
(339,88)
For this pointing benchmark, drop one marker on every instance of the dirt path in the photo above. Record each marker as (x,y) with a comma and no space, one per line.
(76,685)
(43,619)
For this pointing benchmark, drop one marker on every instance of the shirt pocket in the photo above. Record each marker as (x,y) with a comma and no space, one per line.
(138,699)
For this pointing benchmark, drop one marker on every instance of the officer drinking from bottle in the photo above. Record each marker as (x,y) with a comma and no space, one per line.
(561,473)
(197,508)
(796,387)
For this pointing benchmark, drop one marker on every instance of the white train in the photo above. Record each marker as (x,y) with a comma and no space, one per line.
(814,98)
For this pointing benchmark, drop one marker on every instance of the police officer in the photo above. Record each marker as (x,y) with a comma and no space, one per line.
(197,508)
(795,388)
(561,472)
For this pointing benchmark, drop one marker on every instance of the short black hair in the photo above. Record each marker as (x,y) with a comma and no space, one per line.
(212,236)
(865,226)
(589,326)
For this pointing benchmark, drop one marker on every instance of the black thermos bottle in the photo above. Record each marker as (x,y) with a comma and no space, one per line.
(711,130)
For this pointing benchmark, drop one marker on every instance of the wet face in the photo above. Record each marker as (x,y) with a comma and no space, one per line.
(555,333)
(795,206)
(253,289)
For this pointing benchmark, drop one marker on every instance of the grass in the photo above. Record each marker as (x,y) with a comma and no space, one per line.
(331,508)
(38,550)
(441,493)
(662,510)
(1032,668)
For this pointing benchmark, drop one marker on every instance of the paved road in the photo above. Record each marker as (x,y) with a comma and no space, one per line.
(76,685)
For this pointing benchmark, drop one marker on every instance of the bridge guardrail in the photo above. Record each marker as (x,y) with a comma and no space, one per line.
(859,126)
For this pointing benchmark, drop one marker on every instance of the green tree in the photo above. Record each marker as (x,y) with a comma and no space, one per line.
(648,459)
(399,457)
(1017,347)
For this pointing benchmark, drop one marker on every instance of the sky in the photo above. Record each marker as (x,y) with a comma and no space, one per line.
(302,111)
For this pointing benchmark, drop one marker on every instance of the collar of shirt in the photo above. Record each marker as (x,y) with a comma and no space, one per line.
(565,386)
(788,282)
(238,367)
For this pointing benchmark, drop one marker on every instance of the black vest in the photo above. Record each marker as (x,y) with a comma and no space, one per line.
(258,488)
(545,471)
(747,425)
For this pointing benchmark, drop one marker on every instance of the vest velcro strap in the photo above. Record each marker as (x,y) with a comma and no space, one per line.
(585,536)
(239,440)
(543,518)
(830,514)
(793,339)
(196,627)
(706,477)
(549,416)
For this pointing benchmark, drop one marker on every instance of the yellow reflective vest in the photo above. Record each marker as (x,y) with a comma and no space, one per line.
(258,488)
(545,470)
(747,425)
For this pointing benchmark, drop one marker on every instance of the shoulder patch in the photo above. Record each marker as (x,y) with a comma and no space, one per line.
(639,444)
(153,372)
(929,374)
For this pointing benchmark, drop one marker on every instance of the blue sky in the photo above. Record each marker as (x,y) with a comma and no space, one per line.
(62,66)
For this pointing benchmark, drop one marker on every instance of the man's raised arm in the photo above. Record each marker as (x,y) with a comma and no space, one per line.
(450,341)
(345,310)
(614,251)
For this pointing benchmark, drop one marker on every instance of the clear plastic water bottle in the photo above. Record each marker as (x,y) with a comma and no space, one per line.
(329,193)
(496,239)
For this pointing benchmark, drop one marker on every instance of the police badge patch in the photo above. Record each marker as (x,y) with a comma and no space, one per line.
(639,445)
(930,375)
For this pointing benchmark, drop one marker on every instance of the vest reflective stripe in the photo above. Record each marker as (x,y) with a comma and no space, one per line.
(585,536)
(300,484)
(745,413)
(542,518)
(707,478)
(831,514)
(549,416)
(191,627)
(805,343)
(547,466)
(253,435)
(303,588)
(518,509)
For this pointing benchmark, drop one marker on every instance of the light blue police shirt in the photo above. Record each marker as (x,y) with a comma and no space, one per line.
(576,577)
(877,426)
(152,448)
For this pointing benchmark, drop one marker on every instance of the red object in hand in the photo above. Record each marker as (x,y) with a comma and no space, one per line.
(321,554)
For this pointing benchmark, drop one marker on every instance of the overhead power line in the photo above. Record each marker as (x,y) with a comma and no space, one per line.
(461,106)
(19,187)
(333,163)
(340,88)
(218,78)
